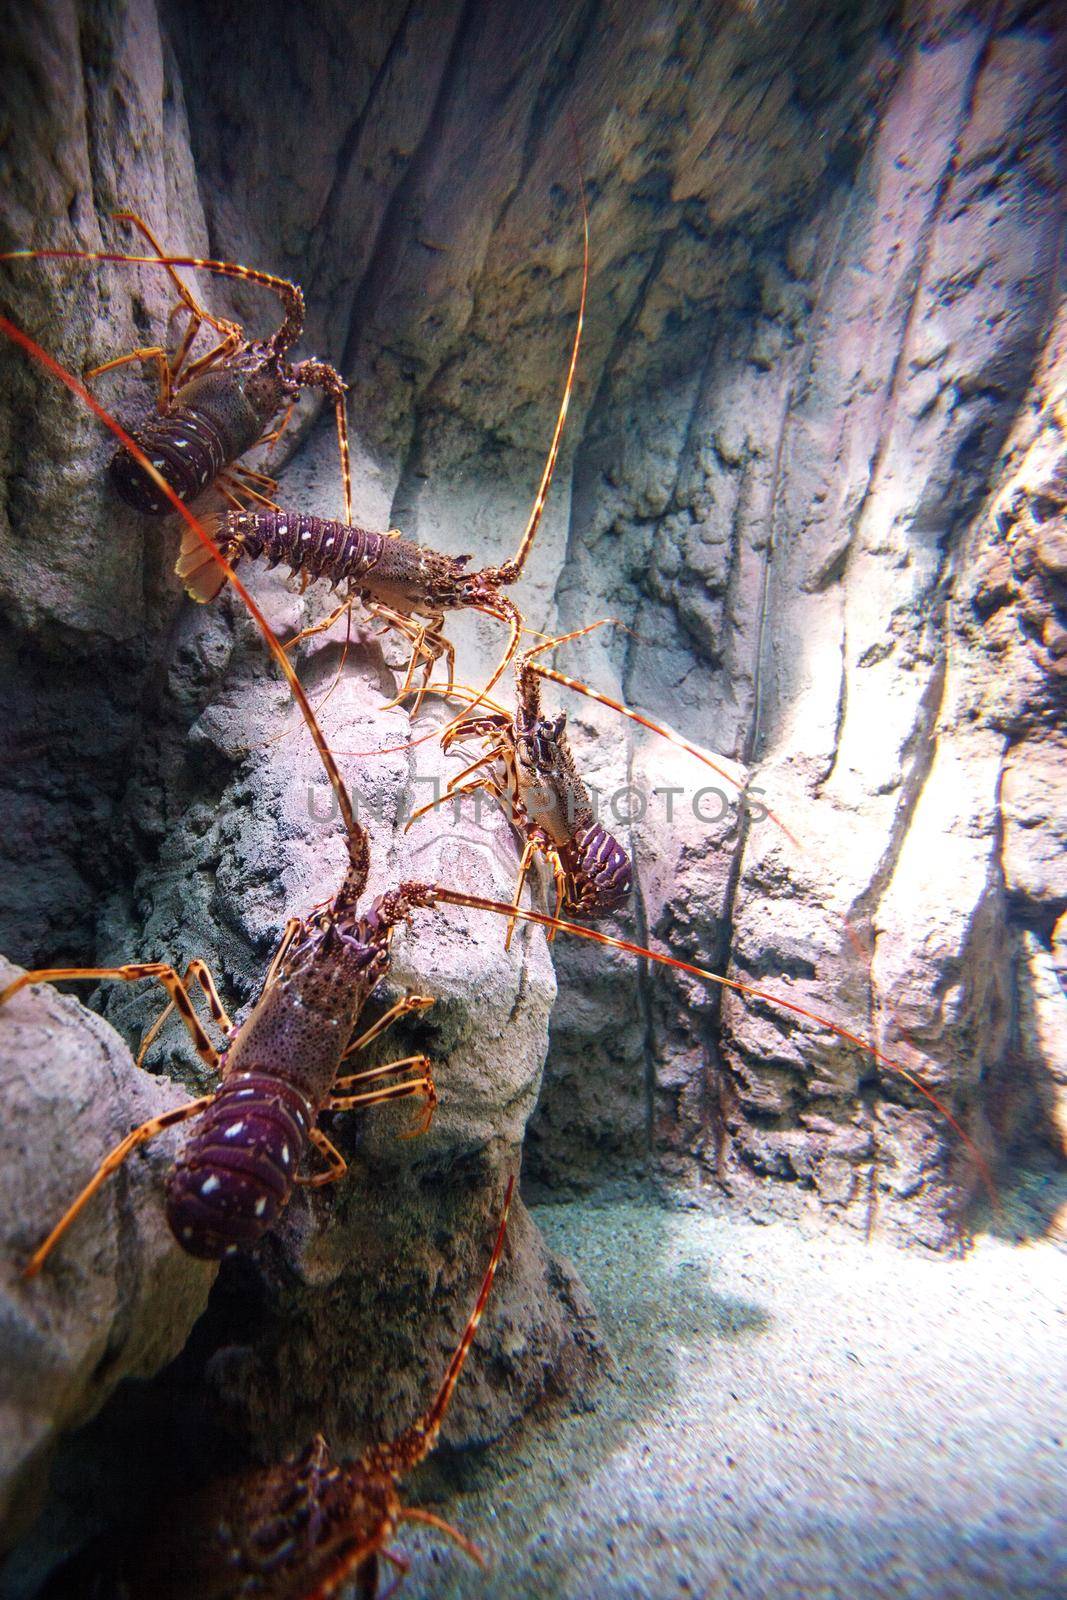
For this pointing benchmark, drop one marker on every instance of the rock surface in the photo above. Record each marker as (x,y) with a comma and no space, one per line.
(118,1298)
(820,350)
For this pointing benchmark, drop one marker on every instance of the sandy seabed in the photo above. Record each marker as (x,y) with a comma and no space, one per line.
(790,1416)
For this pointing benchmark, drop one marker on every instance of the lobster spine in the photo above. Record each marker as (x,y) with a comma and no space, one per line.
(236,1171)
(313,546)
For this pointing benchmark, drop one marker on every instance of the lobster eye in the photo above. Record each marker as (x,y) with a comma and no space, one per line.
(558,726)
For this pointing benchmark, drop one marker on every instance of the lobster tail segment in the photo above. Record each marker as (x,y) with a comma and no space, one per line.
(601,868)
(197,567)
(236,1172)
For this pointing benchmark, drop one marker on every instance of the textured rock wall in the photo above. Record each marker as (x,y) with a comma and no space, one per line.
(823,278)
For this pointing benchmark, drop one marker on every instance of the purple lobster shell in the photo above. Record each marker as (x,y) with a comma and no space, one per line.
(237,1169)
(600,866)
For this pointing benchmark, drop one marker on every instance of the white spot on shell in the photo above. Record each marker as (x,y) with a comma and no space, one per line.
(231,1250)
(209,1185)
(261,1206)
(232,1132)
(285,1154)
(159,465)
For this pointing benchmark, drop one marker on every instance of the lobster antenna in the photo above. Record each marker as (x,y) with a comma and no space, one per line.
(356,834)
(478,903)
(417,1441)
(290,295)
(512,569)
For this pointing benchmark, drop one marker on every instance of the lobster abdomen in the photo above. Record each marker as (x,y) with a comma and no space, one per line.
(313,546)
(599,869)
(185,447)
(236,1171)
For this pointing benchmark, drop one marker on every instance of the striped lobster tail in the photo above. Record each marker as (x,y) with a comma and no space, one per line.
(236,1172)
(185,447)
(599,868)
(312,546)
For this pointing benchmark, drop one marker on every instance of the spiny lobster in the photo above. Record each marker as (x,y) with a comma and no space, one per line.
(407,585)
(363,939)
(213,410)
(302,1529)
(530,769)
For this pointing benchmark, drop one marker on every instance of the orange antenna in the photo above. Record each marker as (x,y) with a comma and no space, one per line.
(289,294)
(513,568)
(417,1441)
(478,903)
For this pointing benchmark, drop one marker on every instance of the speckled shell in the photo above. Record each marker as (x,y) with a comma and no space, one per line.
(274,1534)
(600,868)
(312,546)
(216,418)
(236,1170)
(393,569)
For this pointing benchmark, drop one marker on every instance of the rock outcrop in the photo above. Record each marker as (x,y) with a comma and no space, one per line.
(117,1299)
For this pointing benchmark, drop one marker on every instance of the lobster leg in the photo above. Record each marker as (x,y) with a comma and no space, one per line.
(409,1002)
(336,1165)
(320,627)
(455,790)
(415,1514)
(416,634)
(271,439)
(529,852)
(199,970)
(372,1074)
(131,973)
(229,487)
(422,1085)
(150,352)
(224,348)
(260,478)
(228,329)
(314,374)
(110,1164)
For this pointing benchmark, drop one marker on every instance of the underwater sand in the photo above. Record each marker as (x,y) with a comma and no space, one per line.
(791,1416)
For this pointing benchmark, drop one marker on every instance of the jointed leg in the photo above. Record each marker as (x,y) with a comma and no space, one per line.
(529,851)
(271,439)
(260,478)
(321,627)
(110,1164)
(196,969)
(422,1085)
(401,1008)
(415,1514)
(454,792)
(229,487)
(415,633)
(218,353)
(185,295)
(131,973)
(320,375)
(151,352)
(336,1165)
